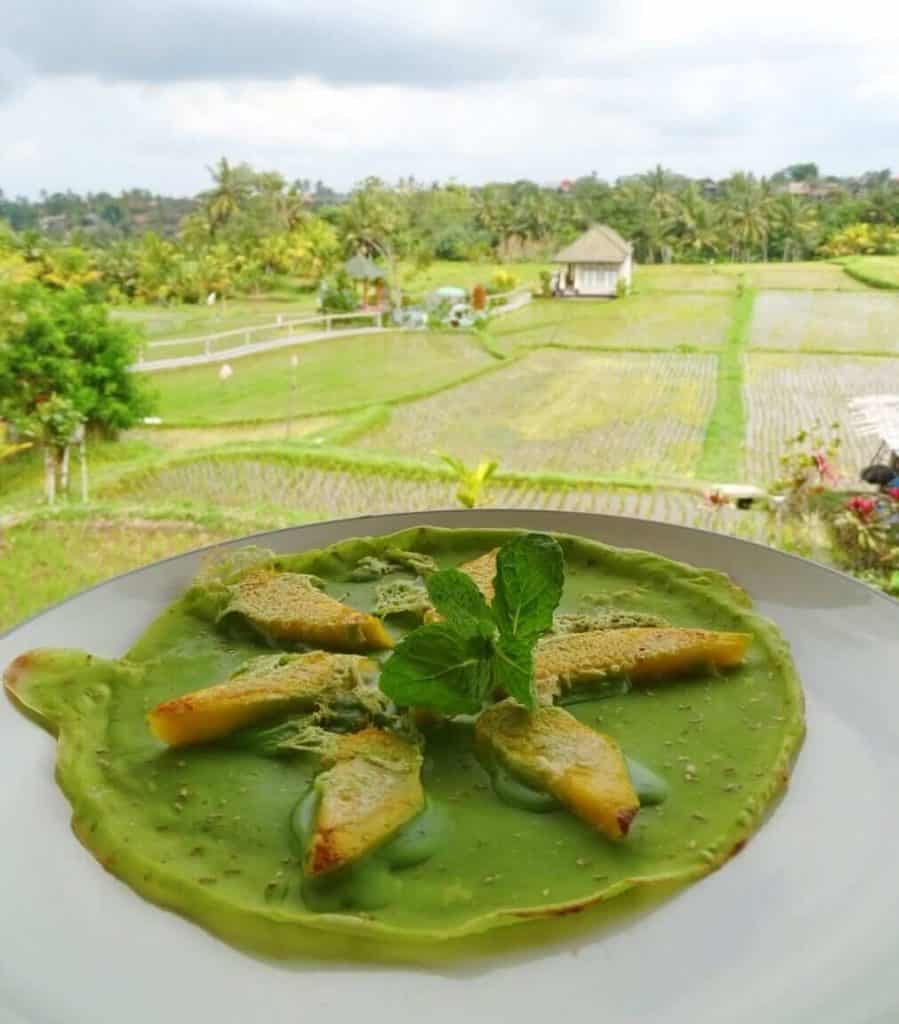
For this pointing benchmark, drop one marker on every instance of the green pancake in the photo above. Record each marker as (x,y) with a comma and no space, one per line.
(215,832)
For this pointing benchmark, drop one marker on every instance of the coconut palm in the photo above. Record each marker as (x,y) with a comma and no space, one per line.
(697,224)
(795,223)
(232,188)
(660,188)
(747,209)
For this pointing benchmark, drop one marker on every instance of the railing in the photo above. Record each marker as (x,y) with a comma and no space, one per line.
(506,302)
(247,340)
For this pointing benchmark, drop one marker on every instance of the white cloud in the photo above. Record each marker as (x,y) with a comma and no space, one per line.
(479,92)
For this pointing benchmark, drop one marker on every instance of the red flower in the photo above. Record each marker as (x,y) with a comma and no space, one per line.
(825,470)
(893,492)
(864,508)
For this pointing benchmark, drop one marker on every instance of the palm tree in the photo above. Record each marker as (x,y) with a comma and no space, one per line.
(697,223)
(795,223)
(747,211)
(660,190)
(232,188)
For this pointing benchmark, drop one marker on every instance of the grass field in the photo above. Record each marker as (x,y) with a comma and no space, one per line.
(786,393)
(339,373)
(37,568)
(627,414)
(836,321)
(654,321)
(876,271)
(467,275)
(190,321)
(812,276)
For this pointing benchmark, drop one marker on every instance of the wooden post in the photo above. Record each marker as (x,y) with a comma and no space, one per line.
(82,453)
(50,474)
(64,470)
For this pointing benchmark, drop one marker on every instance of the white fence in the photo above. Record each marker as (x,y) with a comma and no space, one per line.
(245,341)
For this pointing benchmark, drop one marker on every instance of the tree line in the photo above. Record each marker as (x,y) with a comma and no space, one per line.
(253,231)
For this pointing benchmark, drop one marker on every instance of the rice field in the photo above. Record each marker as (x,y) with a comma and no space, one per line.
(723,277)
(834,321)
(631,415)
(335,374)
(326,494)
(683,277)
(785,394)
(810,276)
(877,271)
(652,321)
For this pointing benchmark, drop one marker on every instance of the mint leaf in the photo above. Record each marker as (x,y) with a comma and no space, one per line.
(438,668)
(454,667)
(462,605)
(530,571)
(513,669)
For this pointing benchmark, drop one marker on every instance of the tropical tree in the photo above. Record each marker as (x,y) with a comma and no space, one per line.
(64,343)
(697,225)
(795,225)
(232,187)
(747,209)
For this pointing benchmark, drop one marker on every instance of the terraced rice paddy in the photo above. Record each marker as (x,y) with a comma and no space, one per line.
(326,493)
(785,394)
(660,321)
(816,276)
(633,415)
(834,321)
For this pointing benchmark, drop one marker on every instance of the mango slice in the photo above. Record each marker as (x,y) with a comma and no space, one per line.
(372,788)
(574,661)
(287,606)
(263,687)
(483,571)
(551,750)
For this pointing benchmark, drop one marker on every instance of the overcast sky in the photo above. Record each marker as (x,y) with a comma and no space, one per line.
(110,94)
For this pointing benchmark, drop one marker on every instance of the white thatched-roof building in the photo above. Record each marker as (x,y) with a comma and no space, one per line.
(594,263)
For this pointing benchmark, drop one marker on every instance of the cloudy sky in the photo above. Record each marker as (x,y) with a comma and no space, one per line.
(109,94)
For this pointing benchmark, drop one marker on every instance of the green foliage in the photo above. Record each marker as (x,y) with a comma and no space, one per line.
(472,482)
(863,239)
(339,296)
(64,343)
(722,449)
(874,271)
(503,280)
(478,651)
(807,467)
(546,284)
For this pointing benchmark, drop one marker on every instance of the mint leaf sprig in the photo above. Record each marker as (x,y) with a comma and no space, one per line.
(456,666)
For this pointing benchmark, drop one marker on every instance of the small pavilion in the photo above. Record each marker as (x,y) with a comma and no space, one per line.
(361,268)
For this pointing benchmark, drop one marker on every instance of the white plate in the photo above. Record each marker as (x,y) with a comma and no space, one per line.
(802,927)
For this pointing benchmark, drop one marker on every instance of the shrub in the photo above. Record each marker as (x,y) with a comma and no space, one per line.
(546,284)
(339,296)
(503,280)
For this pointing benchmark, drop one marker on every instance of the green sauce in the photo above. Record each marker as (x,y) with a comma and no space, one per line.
(651,789)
